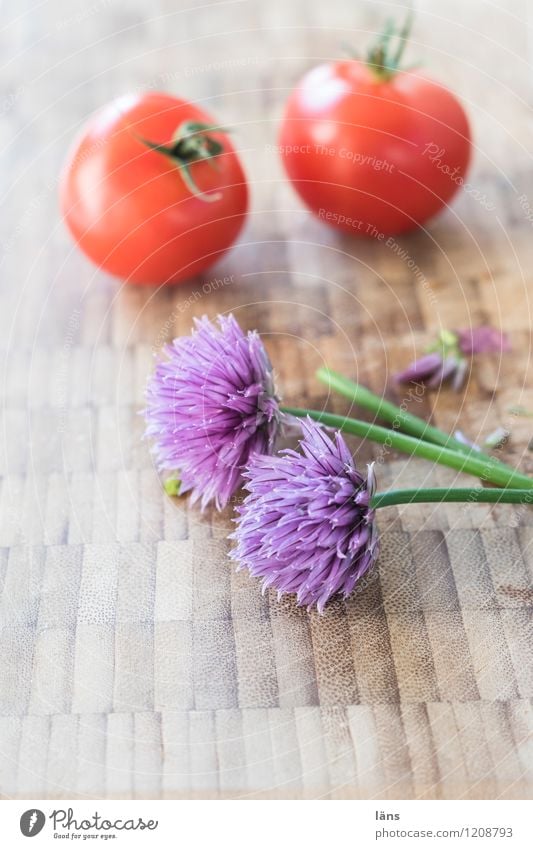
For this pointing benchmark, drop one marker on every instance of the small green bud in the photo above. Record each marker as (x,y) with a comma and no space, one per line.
(172,486)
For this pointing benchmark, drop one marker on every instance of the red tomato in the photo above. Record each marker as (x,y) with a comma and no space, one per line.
(373,156)
(151,193)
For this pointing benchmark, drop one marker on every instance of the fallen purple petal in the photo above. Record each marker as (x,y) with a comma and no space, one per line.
(445,372)
(459,375)
(483,340)
(464,440)
(422,369)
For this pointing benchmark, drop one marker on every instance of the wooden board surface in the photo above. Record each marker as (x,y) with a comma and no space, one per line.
(134,662)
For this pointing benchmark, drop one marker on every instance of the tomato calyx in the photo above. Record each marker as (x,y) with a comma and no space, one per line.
(384,57)
(191,143)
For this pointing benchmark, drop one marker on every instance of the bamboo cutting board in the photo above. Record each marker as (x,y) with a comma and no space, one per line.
(134,662)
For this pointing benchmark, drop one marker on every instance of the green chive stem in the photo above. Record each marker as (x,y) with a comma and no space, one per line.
(395,415)
(488,470)
(477,495)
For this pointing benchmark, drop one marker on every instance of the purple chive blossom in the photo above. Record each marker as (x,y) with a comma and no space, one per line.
(306,525)
(211,403)
(447,359)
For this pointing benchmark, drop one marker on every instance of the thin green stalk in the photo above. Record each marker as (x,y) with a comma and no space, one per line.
(487,470)
(463,494)
(391,413)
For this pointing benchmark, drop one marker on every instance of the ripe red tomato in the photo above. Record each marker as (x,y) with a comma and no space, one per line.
(371,153)
(151,192)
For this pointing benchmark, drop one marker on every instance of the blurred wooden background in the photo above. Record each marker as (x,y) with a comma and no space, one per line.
(134,662)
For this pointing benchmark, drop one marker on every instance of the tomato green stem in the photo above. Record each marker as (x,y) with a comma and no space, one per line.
(403,38)
(191,143)
(382,59)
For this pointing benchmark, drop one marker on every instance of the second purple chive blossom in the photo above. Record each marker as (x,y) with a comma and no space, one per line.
(447,359)
(307,526)
(211,404)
